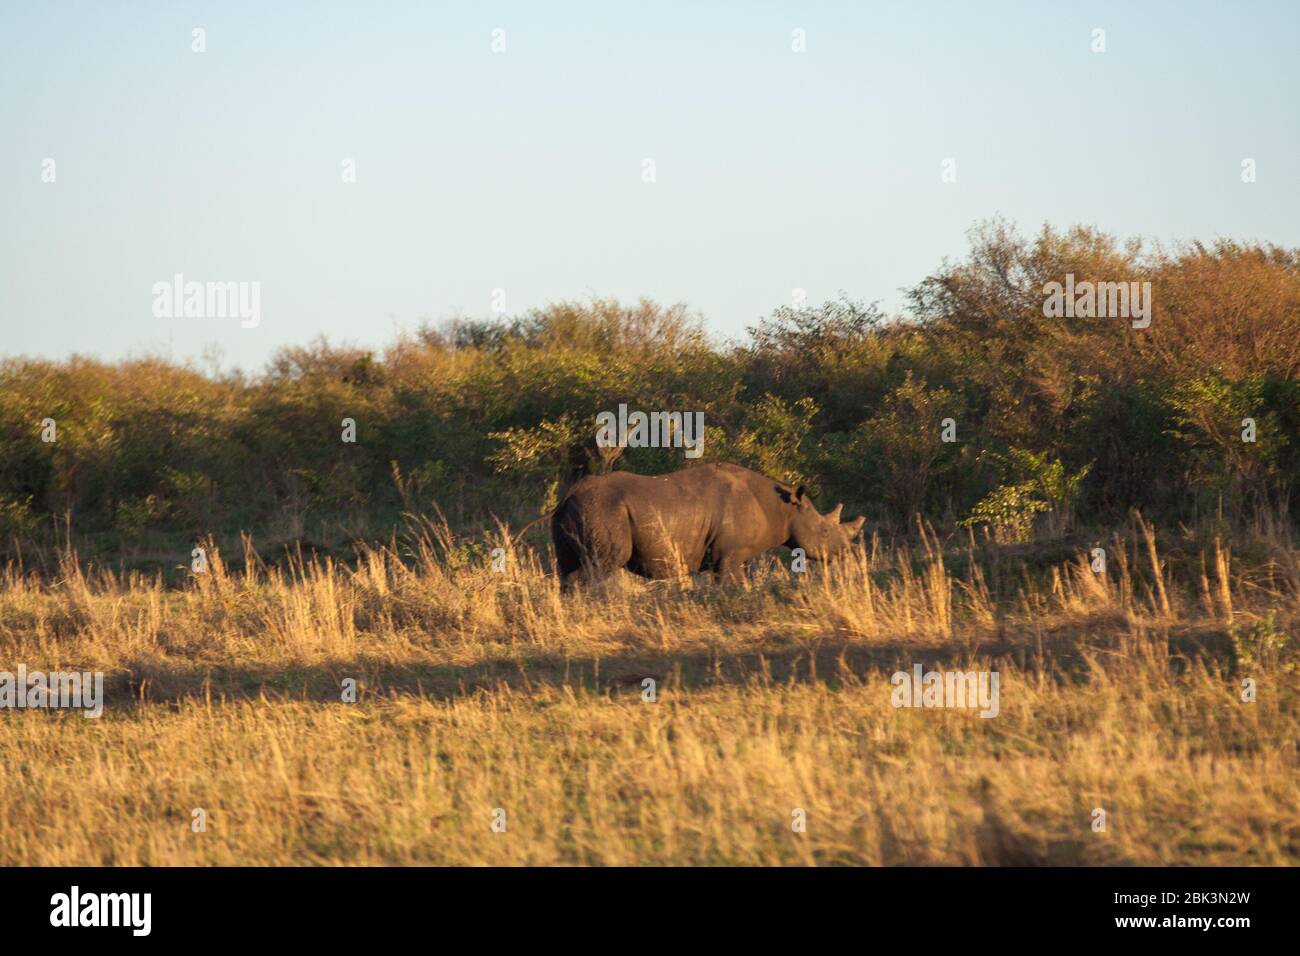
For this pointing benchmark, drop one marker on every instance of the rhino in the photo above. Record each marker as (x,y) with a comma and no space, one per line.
(714,517)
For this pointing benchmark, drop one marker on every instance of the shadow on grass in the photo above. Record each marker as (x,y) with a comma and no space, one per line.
(830,660)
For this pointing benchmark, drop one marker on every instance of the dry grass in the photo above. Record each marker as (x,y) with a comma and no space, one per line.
(484,690)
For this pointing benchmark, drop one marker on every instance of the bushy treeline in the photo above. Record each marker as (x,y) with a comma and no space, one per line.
(1053,420)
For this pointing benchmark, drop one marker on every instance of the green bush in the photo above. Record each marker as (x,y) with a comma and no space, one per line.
(1057,421)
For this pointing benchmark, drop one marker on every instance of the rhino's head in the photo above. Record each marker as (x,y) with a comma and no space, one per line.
(820,536)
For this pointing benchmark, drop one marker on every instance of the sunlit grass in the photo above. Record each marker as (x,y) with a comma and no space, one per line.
(482,690)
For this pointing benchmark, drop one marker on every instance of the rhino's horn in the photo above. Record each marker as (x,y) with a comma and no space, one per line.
(835,515)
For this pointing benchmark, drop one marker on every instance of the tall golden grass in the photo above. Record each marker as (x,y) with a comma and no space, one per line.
(484,690)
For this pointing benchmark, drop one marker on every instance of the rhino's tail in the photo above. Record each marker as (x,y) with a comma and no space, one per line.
(514,540)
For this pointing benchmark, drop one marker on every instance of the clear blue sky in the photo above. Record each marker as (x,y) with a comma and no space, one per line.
(522,170)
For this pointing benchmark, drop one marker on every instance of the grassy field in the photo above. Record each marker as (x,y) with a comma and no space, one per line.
(483,690)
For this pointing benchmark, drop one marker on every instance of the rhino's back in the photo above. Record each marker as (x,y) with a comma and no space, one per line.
(689,508)
(712,488)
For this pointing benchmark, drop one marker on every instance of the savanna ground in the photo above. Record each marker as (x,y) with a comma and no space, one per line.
(1119,691)
(481,690)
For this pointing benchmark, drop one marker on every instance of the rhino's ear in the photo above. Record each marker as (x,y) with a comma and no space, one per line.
(801,496)
(855,525)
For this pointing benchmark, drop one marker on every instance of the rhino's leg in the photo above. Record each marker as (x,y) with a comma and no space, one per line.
(730,568)
(597,545)
(567,537)
(568,564)
(576,558)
